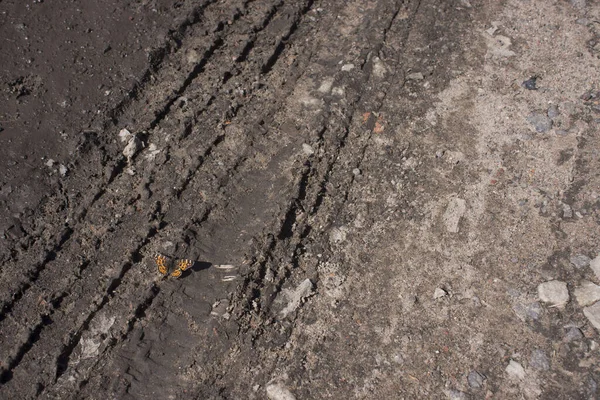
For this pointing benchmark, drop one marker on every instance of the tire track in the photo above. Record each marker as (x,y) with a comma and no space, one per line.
(123,272)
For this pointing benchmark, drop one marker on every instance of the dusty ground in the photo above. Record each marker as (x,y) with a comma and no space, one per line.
(382,199)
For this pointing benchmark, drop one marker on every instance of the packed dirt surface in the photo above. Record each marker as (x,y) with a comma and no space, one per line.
(380,199)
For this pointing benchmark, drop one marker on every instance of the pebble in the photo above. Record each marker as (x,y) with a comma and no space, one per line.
(347,67)
(307,149)
(439,293)
(528,311)
(356,171)
(475,379)
(540,122)
(50,163)
(553,111)
(588,293)
(279,392)
(554,292)
(539,360)
(530,84)
(595,266)
(567,211)
(580,260)
(134,145)
(63,170)
(415,76)
(573,334)
(592,313)
(124,135)
(515,370)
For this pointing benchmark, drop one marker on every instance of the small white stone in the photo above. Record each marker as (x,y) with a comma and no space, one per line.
(347,67)
(50,163)
(592,313)
(515,370)
(595,266)
(554,292)
(356,171)
(415,76)
(132,147)
(279,392)
(588,293)
(326,85)
(439,293)
(454,212)
(307,149)
(63,170)
(124,135)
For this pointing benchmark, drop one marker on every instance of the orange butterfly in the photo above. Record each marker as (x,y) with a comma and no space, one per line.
(163,266)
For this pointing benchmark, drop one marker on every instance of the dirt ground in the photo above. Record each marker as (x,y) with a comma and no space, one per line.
(380,199)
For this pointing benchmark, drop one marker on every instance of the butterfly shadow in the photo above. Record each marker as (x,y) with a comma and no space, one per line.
(197,266)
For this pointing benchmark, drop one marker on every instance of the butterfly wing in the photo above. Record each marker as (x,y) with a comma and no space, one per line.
(161,263)
(182,265)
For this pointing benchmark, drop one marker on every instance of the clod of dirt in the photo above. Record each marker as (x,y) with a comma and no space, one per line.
(554,293)
(588,293)
(530,84)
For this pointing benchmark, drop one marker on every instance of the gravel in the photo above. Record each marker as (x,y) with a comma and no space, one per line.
(554,293)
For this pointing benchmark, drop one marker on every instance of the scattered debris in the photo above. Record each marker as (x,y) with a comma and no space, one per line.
(554,293)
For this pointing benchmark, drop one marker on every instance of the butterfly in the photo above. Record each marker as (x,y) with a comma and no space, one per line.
(163,266)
